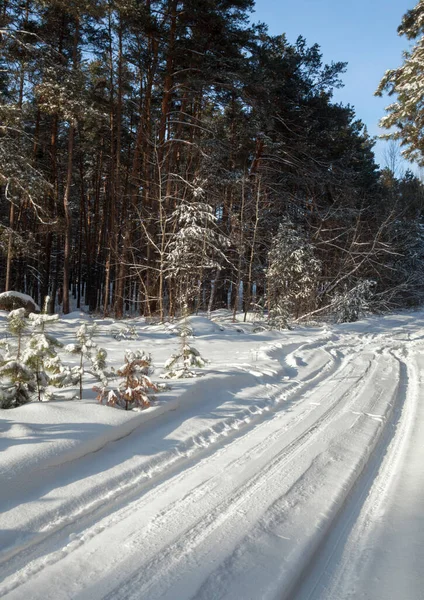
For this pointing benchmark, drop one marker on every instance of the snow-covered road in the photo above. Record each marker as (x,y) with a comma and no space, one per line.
(375,549)
(293,471)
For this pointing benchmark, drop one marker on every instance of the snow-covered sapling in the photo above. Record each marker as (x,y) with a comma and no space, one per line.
(195,247)
(40,353)
(66,376)
(136,389)
(128,332)
(88,350)
(17,383)
(16,325)
(292,274)
(180,364)
(17,380)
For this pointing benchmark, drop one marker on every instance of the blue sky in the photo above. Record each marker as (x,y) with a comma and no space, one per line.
(362,33)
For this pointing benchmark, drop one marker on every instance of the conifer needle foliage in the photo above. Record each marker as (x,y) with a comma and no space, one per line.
(149,152)
(135,389)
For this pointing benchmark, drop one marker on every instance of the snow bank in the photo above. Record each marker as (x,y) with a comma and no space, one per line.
(36,436)
(198,325)
(12,299)
(226,488)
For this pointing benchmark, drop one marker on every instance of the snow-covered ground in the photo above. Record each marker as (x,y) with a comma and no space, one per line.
(293,468)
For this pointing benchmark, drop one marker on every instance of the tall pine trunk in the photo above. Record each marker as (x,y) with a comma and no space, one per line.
(67,194)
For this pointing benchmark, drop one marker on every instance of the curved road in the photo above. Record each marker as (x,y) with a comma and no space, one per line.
(311,492)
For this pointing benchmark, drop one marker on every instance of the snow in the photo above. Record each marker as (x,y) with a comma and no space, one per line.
(291,468)
(199,326)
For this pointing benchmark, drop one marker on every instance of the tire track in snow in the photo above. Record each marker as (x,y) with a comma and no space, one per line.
(343,554)
(44,545)
(281,544)
(165,567)
(225,510)
(130,482)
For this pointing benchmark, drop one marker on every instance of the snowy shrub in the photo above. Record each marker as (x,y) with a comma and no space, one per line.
(126,333)
(350,305)
(66,376)
(292,274)
(136,389)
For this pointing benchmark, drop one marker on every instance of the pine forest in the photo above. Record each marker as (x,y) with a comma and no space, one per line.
(163,157)
(211,300)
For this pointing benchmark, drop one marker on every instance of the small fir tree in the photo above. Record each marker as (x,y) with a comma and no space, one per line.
(292,274)
(16,325)
(180,365)
(88,350)
(40,354)
(17,380)
(195,247)
(17,383)
(136,389)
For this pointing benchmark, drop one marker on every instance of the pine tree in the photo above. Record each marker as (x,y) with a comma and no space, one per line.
(136,389)
(88,350)
(17,380)
(180,365)
(16,325)
(292,274)
(406,113)
(40,354)
(195,247)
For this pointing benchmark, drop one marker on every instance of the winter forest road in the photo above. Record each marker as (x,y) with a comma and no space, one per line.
(306,485)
